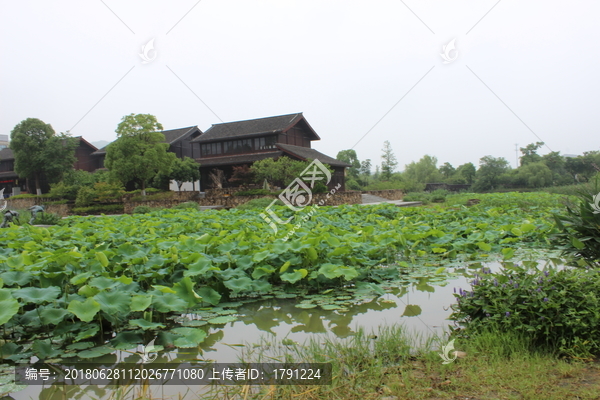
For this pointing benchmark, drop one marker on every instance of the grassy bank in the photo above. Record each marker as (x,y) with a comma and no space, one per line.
(385,365)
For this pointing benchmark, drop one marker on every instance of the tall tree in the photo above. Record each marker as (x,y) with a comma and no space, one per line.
(530,154)
(40,152)
(139,153)
(350,157)
(388,161)
(467,171)
(423,171)
(489,172)
(447,170)
(184,170)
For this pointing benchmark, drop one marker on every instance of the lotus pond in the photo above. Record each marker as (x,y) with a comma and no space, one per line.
(202,282)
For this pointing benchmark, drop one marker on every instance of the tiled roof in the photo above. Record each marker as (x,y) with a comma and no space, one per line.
(172,135)
(252,127)
(305,153)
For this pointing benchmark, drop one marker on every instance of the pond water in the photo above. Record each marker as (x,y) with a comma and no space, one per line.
(421,307)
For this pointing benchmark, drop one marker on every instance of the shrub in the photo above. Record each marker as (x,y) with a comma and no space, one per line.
(258,203)
(63,191)
(142,210)
(557,310)
(320,187)
(85,196)
(439,195)
(579,226)
(108,192)
(47,219)
(186,206)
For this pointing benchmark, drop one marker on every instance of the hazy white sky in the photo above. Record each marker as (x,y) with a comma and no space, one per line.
(345,64)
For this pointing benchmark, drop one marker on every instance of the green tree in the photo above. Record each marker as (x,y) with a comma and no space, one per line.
(447,170)
(583,168)
(467,171)
(184,170)
(530,154)
(557,164)
(534,175)
(139,153)
(72,181)
(40,152)
(350,157)
(489,173)
(423,171)
(365,171)
(389,162)
(281,172)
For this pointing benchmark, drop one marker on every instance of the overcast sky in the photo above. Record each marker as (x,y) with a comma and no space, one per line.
(354,68)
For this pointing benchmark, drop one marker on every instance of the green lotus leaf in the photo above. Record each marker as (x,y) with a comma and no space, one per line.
(95,352)
(243,284)
(113,303)
(85,311)
(209,295)
(140,302)
(53,316)
(44,350)
(191,337)
(9,306)
(37,295)
(80,346)
(91,331)
(305,305)
(222,320)
(145,325)
(293,277)
(168,302)
(19,278)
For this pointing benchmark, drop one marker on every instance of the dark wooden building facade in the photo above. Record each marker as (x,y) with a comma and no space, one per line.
(227,145)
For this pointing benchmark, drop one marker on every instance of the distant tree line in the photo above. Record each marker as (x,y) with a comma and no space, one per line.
(492,173)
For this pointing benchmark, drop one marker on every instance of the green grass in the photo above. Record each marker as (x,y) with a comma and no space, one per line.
(389,363)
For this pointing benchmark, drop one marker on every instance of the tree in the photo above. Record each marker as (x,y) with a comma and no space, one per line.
(489,172)
(467,171)
(534,175)
(530,154)
(389,162)
(557,164)
(184,170)
(40,152)
(423,171)
(139,153)
(350,157)
(447,170)
(242,175)
(365,171)
(281,172)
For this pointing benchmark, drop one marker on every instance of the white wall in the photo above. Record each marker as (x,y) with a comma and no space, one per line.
(186,187)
